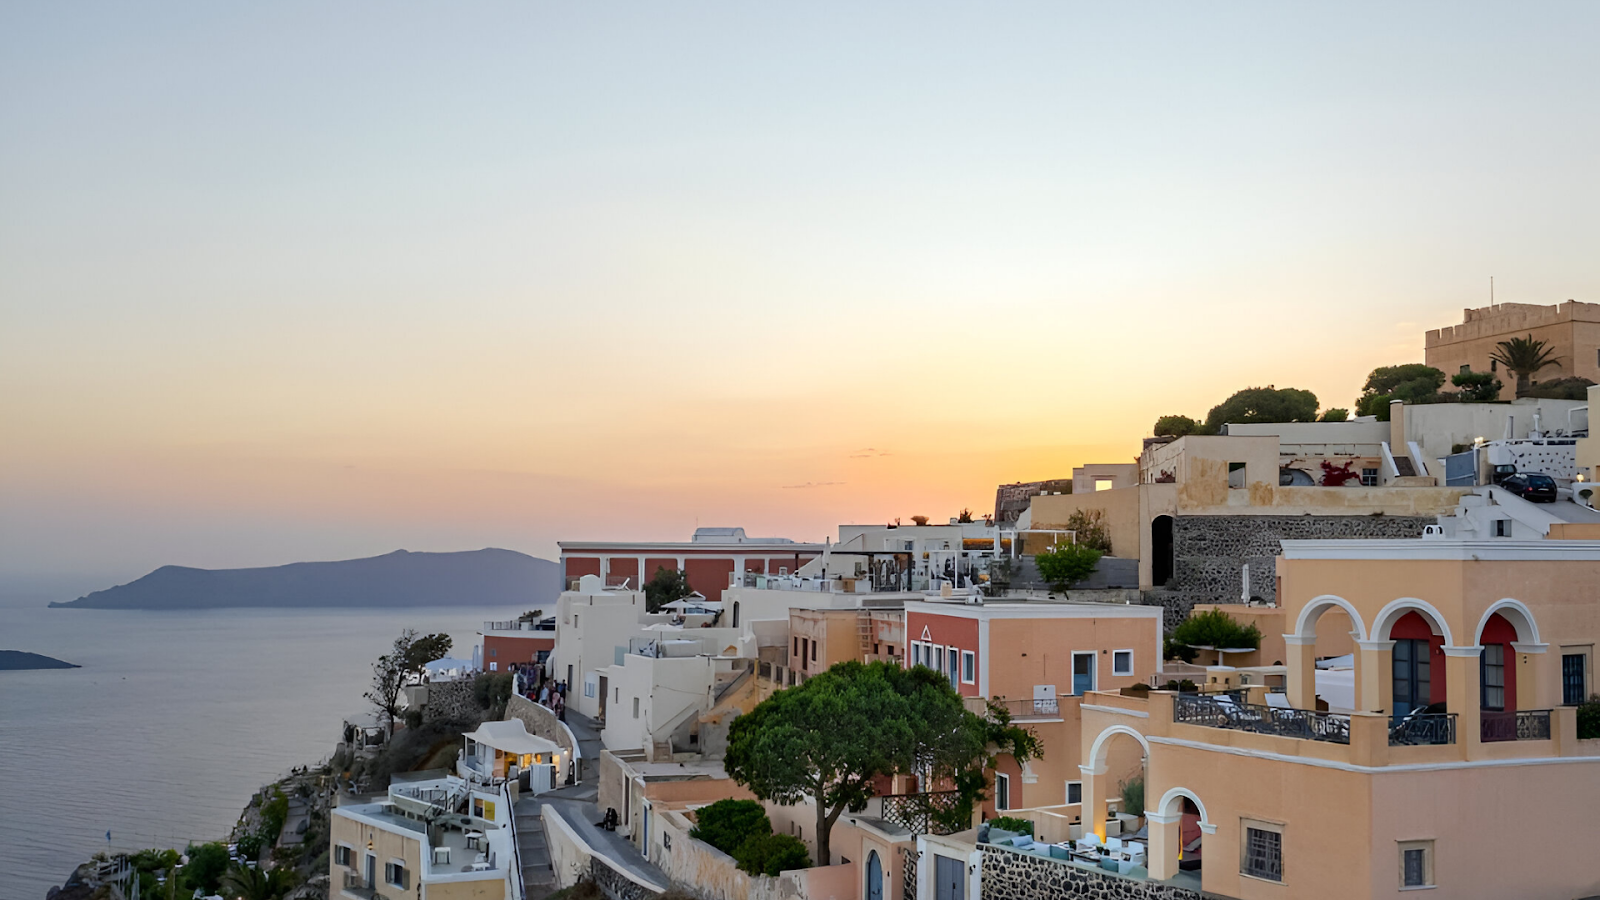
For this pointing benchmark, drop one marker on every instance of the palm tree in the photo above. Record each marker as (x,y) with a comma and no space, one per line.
(1524,357)
(246,883)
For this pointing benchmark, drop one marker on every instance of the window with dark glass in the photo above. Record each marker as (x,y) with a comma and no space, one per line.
(1263,856)
(1416,867)
(1413,687)
(1572,678)
(1494,676)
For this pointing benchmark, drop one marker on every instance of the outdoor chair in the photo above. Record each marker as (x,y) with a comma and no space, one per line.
(1278,701)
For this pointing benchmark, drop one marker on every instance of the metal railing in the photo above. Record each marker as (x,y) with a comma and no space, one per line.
(519,625)
(1424,728)
(1019,709)
(922,813)
(1224,711)
(1519,725)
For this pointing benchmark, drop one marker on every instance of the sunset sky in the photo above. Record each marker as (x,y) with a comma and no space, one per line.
(310,281)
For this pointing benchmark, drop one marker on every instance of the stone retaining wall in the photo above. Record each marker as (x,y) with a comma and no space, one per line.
(1208,553)
(1009,875)
(451,701)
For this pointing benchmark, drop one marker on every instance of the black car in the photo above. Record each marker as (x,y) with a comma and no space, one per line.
(1532,486)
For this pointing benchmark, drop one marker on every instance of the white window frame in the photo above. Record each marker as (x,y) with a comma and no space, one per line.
(1094,672)
(1002,789)
(969,667)
(1070,801)
(1117,670)
(1428,878)
(938,660)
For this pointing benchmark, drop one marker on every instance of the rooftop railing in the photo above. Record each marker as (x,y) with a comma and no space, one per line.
(1019,709)
(1424,728)
(1225,711)
(520,625)
(1519,725)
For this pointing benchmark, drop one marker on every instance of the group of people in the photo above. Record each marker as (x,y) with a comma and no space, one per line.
(539,687)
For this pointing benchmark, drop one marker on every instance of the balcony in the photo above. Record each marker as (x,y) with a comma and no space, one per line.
(357,886)
(1424,729)
(1019,710)
(1520,725)
(1227,711)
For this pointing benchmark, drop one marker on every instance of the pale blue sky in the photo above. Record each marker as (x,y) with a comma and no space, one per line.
(534,271)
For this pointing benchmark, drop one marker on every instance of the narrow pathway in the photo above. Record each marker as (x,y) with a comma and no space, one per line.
(538,880)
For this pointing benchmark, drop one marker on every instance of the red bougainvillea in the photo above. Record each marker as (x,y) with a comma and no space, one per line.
(1337,476)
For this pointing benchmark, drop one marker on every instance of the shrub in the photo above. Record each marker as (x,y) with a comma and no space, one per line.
(1185,685)
(1065,564)
(1012,824)
(1089,529)
(1176,426)
(771,854)
(1215,628)
(250,846)
(1589,718)
(726,824)
(491,690)
(1133,796)
(273,814)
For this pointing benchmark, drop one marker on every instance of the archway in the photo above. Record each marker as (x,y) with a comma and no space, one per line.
(1161,561)
(1114,771)
(1314,638)
(1412,636)
(1178,826)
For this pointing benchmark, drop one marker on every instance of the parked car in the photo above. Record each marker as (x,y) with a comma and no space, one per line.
(1501,473)
(1532,486)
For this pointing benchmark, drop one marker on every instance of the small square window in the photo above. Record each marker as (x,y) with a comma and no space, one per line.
(1122,662)
(1416,864)
(1502,528)
(1261,851)
(1466,369)
(969,666)
(341,855)
(395,874)
(1236,472)
(1369,477)
(1074,792)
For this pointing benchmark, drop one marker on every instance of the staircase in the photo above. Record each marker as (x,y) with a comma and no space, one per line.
(538,878)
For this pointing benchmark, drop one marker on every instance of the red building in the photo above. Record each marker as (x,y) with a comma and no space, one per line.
(709,559)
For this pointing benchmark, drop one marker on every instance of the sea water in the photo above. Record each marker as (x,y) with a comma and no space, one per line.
(175,719)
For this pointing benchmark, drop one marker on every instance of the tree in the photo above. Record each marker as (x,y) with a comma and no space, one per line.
(207,862)
(964,517)
(919,520)
(389,673)
(1410,382)
(1089,529)
(1336,414)
(1066,564)
(1575,387)
(248,883)
(1524,357)
(1477,387)
(830,737)
(1268,404)
(1176,426)
(1213,628)
(424,650)
(666,586)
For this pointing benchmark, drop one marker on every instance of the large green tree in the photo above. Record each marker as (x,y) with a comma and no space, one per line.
(1411,382)
(1066,564)
(1524,358)
(1477,387)
(830,737)
(1263,404)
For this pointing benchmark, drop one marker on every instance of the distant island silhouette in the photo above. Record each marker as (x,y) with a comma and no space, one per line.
(17,660)
(490,577)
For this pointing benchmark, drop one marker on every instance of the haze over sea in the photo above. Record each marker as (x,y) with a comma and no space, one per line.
(175,719)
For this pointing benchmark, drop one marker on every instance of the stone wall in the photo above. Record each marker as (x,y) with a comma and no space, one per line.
(1009,875)
(1209,551)
(451,701)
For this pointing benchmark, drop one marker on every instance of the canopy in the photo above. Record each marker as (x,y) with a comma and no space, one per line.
(511,736)
(448,664)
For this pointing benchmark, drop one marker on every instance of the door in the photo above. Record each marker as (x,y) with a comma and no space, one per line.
(950,881)
(874,877)
(372,872)
(1412,682)
(954,660)
(1082,673)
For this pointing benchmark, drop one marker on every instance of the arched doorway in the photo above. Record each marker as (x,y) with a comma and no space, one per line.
(1161,568)
(1178,828)
(1113,778)
(874,877)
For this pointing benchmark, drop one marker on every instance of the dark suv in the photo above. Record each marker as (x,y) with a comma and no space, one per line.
(1532,486)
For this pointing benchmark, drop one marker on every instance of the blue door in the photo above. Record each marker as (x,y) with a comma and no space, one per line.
(1082,673)
(874,877)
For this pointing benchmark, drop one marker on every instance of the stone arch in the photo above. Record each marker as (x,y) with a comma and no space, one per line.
(1097,750)
(1391,613)
(1517,614)
(1171,797)
(1306,624)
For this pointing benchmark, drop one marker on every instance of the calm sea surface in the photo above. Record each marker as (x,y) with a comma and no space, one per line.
(175,719)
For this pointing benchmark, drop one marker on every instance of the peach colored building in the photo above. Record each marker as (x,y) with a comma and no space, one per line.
(1470,657)
(1039,659)
(709,559)
(1572,330)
